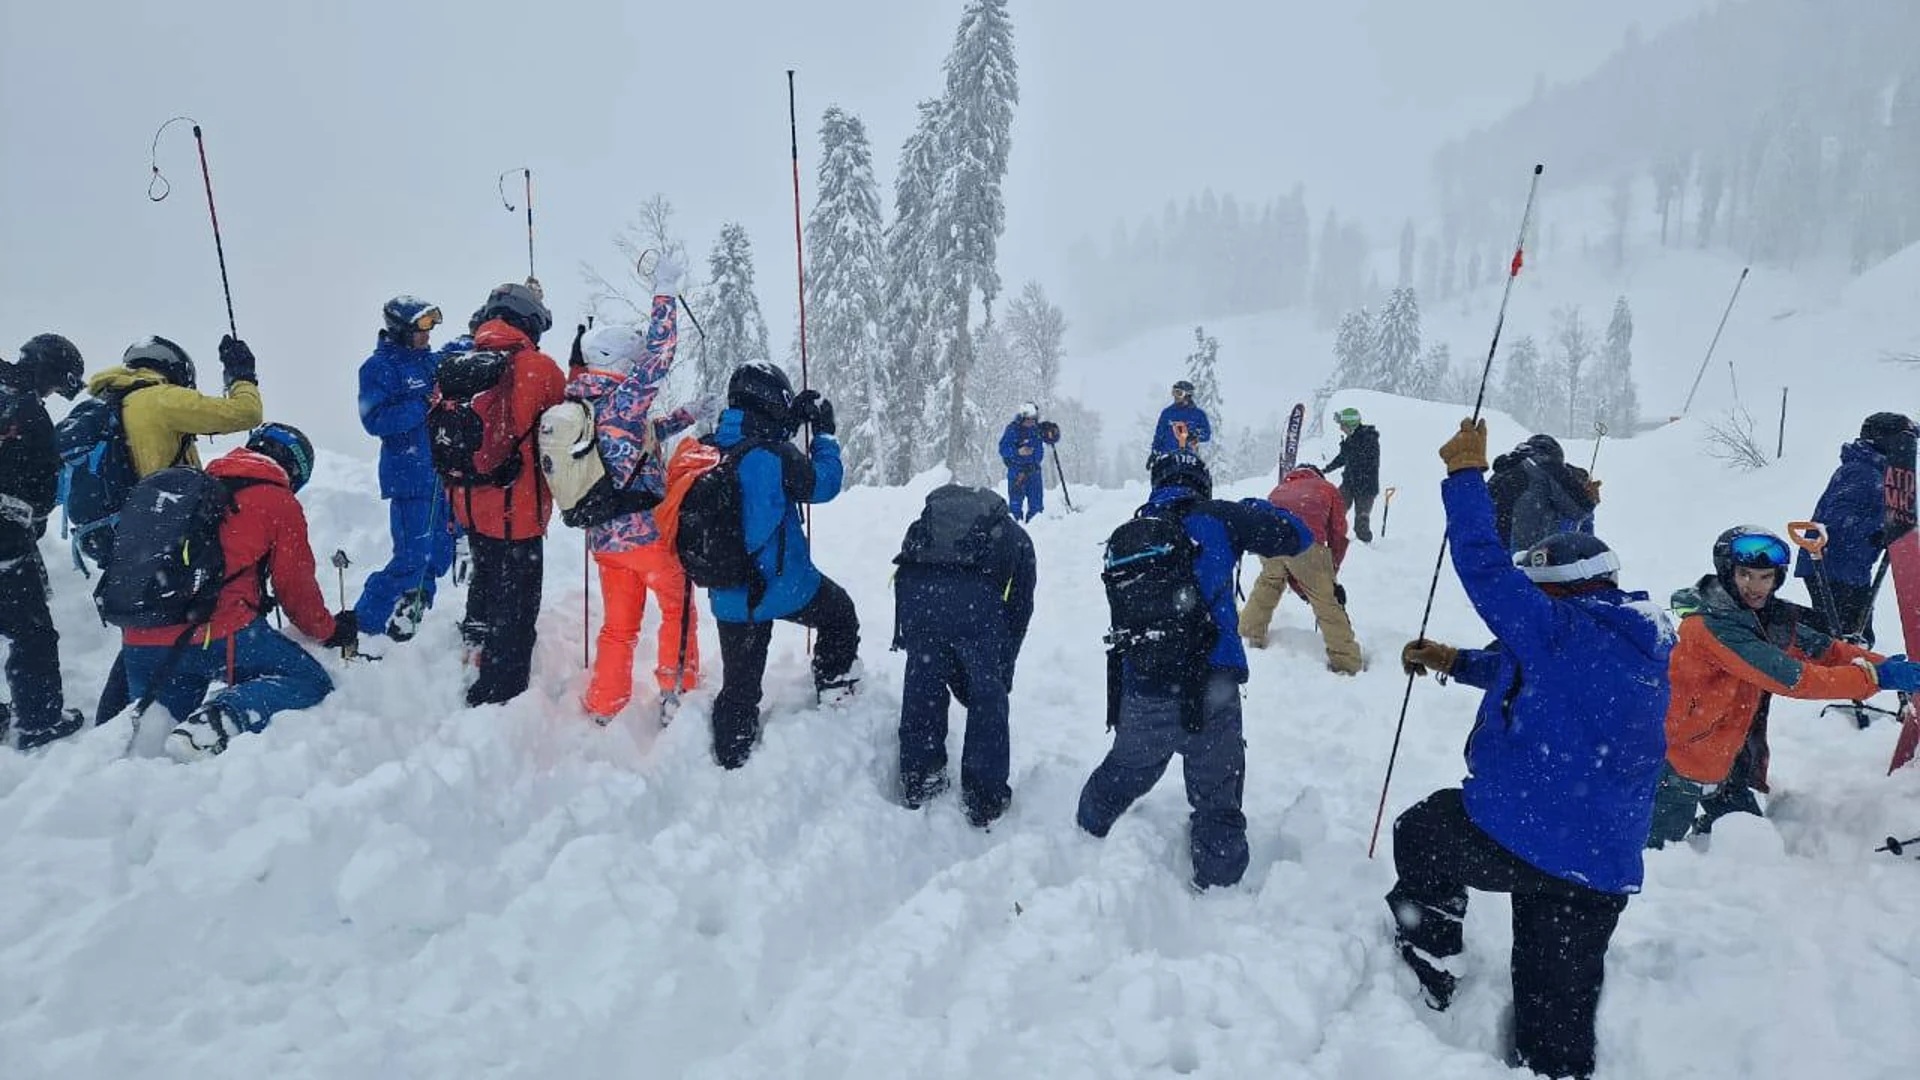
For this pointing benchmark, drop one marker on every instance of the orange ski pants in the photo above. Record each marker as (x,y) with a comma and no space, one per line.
(625,579)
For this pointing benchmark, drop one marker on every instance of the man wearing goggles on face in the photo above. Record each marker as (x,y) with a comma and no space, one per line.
(1740,642)
(396,388)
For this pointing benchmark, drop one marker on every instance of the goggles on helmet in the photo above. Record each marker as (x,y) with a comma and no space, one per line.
(1759,551)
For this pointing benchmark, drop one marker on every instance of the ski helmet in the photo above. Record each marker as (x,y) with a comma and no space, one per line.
(612,347)
(53,363)
(288,448)
(1569,561)
(407,315)
(1029,411)
(1884,430)
(1544,448)
(158,354)
(519,307)
(1347,418)
(1753,547)
(1183,468)
(761,387)
(1183,388)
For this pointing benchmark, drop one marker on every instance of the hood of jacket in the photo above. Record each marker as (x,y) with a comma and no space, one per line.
(121,379)
(499,335)
(738,425)
(245,464)
(1861,452)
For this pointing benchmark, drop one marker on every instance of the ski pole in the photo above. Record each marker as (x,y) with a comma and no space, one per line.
(586,601)
(800,272)
(640,267)
(500,185)
(1386,509)
(206,178)
(1433,586)
(1704,361)
(669,702)
(1897,847)
(1599,434)
(1061,471)
(340,564)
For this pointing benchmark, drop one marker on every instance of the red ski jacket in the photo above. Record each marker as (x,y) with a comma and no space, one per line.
(519,511)
(1315,500)
(266,530)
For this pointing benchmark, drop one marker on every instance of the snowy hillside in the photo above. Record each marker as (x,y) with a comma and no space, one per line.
(392,885)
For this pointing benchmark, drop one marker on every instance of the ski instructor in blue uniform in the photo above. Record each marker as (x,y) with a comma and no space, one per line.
(396,387)
(1023,447)
(1562,764)
(1183,425)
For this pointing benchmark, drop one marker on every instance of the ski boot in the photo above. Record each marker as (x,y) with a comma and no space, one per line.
(204,733)
(838,691)
(68,722)
(408,615)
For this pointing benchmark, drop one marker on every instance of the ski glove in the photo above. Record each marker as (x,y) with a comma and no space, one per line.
(1467,449)
(462,560)
(1593,492)
(669,276)
(1340,594)
(346,632)
(1420,656)
(236,361)
(1898,673)
(810,408)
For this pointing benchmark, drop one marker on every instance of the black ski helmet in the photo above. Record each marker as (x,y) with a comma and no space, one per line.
(1183,468)
(1569,560)
(1884,430)
(53,363)
(408,315)
(1753,547)
(1183,388)
(1545,448)
(158,354)
(761,387)
(519,307)
(288,448)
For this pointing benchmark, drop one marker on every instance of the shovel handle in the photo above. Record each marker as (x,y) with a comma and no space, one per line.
(1809,536)
(1387,495)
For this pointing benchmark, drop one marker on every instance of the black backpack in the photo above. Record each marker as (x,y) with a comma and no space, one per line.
(1161,623)
(168,567)
(712,537)
(960,527)
(467,387)
(96,473)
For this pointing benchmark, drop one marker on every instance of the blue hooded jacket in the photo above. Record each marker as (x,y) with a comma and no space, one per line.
(774,480)
(1571,735)
(396,384)
(1853,508)
(1226,531)
(1017,436)
(1199,428)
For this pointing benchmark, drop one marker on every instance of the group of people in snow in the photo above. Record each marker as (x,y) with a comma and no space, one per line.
(1586,686)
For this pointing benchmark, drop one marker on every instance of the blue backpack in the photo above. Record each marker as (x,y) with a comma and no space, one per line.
(95,477)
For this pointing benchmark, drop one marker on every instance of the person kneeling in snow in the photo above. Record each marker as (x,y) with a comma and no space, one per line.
(775,477)
(963,597)
(1739,642)
(1561,768)
(1314,574)
(264,534)
(1184,699)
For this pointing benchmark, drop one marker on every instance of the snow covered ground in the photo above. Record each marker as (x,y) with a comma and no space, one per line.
(394,885)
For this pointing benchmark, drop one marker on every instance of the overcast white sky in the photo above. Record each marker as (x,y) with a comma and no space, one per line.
(355,144)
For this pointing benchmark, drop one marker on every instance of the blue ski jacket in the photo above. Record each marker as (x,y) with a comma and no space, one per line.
(396,384)
(1568,745)
(1854,510)
(1226,531)
(1022,448)
(774,480)
(1199,428)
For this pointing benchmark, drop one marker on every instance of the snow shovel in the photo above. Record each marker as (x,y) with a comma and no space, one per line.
(1811,537)
(1060,471)
(1386,510)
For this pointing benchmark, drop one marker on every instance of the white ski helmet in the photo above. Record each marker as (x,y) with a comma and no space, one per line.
(1029,411)
(612,347)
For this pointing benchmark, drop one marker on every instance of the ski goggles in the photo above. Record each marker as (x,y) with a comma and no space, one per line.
(1759,550)
(427,319)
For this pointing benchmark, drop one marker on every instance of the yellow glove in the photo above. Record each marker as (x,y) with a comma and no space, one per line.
(1420,656)
(1593,492)
(1468,447)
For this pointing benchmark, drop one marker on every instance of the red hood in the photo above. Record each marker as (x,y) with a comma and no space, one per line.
(244,464)
(500,335)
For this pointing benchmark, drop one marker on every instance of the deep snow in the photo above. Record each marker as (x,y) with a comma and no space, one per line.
(394,885)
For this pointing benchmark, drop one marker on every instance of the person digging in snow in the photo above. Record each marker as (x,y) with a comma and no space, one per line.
(1561,768)
(1176,663)
(1314,573)
(396,391)
(963,597)
(1739,643)
(1536,494)
(1360,456)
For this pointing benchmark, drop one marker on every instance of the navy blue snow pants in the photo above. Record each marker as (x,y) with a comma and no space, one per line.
(973,670)
(1026,486)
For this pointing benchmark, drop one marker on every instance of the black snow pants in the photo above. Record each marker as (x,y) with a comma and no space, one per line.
(743,665)
(503,604)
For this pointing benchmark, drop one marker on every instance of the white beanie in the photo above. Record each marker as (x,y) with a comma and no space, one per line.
(612,347)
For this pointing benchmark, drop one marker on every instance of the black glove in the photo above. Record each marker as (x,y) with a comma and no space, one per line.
(1049,432)
(346,632)
(1877,540)
(1340,594)
(236,361)
(575,359)
(810,408)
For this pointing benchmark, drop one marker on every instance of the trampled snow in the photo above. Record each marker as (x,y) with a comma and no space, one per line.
(394,885)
